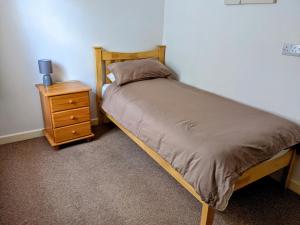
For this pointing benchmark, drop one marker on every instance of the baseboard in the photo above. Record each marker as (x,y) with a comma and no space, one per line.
(295,186)
(21,136)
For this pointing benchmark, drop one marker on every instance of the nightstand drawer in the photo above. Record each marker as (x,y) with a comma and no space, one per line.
(69,117)
(72,132)
(70,101)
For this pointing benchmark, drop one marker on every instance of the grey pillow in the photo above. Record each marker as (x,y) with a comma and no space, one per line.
(136,70)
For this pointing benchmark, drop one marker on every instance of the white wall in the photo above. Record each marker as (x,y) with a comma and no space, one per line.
(65,32)
(235,51)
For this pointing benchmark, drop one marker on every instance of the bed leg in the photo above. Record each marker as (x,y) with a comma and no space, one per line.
(102,118)
(287,172)
(207,215)
(106,120)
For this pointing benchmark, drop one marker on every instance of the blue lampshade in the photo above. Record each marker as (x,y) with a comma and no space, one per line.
(45,66)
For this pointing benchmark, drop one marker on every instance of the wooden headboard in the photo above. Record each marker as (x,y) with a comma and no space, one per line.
(104,58)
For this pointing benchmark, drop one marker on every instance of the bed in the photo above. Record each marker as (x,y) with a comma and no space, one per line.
(187,165)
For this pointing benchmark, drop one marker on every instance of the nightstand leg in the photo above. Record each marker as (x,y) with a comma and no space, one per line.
(89,139)
(57,147)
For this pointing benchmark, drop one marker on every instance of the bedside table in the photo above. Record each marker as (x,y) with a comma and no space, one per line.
(66,112)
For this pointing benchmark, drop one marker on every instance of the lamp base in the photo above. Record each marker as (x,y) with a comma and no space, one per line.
(47,81)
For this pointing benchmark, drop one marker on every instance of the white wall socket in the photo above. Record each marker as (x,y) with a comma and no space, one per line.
(232,2)
(239,2)
(258,1)
(291,50)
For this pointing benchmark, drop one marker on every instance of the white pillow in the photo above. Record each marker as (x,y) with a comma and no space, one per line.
(111,77)
(104,87)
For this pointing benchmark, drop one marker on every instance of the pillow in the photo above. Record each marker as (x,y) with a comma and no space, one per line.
(104,87)
(136,70)
(111,77)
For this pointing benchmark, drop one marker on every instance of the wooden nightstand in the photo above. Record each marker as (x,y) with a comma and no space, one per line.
(66,112)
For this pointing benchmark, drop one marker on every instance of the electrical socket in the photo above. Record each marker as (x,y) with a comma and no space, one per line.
(291,50)
(232,2)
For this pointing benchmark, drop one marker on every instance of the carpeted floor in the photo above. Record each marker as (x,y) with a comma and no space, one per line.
(110,181)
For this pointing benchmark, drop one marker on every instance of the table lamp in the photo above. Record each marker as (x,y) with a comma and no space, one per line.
(45,67)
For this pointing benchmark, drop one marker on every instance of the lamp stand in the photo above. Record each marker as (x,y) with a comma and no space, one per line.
(47,81)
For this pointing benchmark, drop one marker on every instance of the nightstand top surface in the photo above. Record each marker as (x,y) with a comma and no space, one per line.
(62,88)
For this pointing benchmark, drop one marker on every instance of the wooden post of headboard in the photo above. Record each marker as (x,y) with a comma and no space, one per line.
(161,53)
(99,80)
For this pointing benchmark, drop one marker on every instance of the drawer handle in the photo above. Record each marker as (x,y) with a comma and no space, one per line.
(71,101)
(72,117)
(73,132)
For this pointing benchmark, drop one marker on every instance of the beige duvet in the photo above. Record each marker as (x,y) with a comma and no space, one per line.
(209,139)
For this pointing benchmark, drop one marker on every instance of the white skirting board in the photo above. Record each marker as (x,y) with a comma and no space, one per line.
(21,136)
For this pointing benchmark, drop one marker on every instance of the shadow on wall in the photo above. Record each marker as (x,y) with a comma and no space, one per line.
(174,75)
(58,72)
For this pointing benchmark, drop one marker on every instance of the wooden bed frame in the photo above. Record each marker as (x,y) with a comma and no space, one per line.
(104,58)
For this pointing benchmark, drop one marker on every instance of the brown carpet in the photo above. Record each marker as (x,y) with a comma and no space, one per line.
(110,181)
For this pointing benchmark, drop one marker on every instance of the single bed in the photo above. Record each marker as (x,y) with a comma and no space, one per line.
(196,151)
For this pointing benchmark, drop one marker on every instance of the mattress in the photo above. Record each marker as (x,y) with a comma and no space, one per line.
(210,140)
